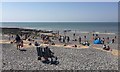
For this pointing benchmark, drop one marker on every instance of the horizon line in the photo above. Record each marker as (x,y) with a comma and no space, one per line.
(60,1)
(58,21)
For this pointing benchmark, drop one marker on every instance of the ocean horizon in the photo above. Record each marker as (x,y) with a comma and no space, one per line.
(111,27)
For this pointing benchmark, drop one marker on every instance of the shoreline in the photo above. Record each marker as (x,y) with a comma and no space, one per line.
(17,30)
(50,31)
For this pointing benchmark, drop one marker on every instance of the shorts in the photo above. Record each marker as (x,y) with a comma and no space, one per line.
(18,43)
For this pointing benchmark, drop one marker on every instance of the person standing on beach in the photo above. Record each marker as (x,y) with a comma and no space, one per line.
(85,38)
(107,40)
(18,41)
(68,39)
(63,39)
(103,40)
(74,37)
(60,39)
(79,39)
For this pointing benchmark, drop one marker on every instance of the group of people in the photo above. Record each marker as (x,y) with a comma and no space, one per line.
(45,38)
(46,54)
(105,41)
(84,41)
(42,52)
(64,39)
(106,47)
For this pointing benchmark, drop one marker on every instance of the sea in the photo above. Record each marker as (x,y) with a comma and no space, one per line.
(111,27)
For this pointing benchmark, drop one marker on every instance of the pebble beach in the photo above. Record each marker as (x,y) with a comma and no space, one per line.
(69,58)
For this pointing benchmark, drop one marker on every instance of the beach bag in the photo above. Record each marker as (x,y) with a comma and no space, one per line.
(11,42)
(75,45)
(75,39)
(65,45)
(53,43)
(30,43)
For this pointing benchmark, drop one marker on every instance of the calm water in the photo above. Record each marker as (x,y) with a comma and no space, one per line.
(81,26)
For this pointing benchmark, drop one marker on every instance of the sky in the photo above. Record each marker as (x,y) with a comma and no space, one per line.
(59,11)
(60,0)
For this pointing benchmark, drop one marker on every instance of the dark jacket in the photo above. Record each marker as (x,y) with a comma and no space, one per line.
(39,51)
(48,52)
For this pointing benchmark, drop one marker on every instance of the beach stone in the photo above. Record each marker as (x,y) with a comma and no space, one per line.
(69,59)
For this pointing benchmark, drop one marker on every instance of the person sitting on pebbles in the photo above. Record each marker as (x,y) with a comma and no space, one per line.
(106,48)
(39,50)
(86,43)
(48,54)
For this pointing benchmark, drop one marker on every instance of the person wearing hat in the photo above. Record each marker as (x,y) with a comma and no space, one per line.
(39,50)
